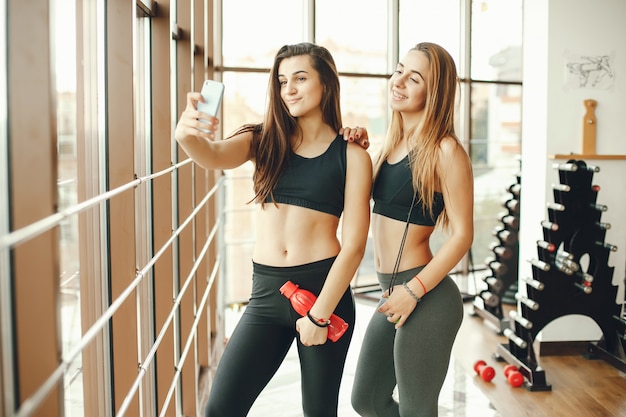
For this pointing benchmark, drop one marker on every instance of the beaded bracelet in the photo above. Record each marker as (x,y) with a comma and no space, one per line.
(411,293)
(421,283)
(317,322)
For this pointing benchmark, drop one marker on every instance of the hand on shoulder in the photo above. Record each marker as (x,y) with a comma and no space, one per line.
(355,134)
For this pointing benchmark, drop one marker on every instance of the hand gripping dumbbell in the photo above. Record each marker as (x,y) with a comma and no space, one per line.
(485,371)
(513,376)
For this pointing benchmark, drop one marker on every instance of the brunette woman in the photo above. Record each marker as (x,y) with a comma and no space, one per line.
(305,176)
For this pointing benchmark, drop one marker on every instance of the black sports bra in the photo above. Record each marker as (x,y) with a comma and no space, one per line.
(317,183)
(393,195)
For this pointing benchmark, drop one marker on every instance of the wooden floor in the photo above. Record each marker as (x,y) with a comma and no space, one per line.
(579,387)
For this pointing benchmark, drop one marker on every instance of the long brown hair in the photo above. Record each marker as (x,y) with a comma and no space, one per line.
(437,123)
(272,138)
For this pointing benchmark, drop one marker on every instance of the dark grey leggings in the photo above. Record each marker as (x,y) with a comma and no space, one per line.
(263,337)
(415,357)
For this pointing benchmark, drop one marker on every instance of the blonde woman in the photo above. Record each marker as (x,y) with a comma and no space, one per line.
(422,180)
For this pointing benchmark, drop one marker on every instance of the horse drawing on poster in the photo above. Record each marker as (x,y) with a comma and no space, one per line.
(591,71)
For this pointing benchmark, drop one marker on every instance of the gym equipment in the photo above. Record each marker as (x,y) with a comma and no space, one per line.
(502,275)
(485,371)
(513,376)
(570,275)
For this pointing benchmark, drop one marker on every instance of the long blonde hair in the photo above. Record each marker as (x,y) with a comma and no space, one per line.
(437,123)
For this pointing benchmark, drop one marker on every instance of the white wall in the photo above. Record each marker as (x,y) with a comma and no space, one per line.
(557,32)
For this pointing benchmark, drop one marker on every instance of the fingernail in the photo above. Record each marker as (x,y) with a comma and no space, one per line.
(365,142)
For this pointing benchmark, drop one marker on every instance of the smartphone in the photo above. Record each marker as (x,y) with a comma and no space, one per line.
(212,92)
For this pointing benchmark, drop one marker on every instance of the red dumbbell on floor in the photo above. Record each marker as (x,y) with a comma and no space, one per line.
(513,375)
(485,371)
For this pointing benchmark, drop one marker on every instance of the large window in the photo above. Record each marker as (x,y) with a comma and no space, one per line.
(431,21)
(494,81)
(366,43)
(65,76)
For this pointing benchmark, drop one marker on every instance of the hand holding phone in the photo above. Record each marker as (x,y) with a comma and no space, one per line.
(212,93)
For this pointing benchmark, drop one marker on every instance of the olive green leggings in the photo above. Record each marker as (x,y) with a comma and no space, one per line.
(415,357)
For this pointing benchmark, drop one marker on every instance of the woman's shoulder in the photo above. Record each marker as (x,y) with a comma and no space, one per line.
(454,158)
(353,148)
(450,148)
(359,159)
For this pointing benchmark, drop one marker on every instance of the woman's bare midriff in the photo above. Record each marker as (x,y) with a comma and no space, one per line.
(291,235)
(388,234)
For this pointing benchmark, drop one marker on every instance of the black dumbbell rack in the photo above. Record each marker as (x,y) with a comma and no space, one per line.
(570,275)
(502,265)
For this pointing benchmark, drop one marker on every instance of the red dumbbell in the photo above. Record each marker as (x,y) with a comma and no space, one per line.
(485,371)
(513,375)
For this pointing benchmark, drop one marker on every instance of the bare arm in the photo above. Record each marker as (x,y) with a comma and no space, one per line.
(354,231)
(201,146)
(457,183)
